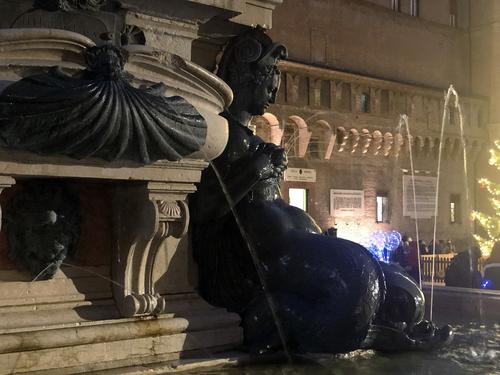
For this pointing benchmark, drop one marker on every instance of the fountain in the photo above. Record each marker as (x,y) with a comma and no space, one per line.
(269,261)
(256,233)
(296,290)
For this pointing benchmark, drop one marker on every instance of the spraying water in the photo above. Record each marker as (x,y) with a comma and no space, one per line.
(446,114)
(42,272)
(403,121)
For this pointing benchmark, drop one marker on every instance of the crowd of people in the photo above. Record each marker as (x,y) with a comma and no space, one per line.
(463,271)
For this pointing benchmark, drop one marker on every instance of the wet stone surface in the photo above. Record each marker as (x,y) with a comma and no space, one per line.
(475,350)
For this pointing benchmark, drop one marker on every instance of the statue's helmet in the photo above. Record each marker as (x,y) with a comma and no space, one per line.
(248,53)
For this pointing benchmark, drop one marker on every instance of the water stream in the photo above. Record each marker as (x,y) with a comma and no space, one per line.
(446,120)
(403,121)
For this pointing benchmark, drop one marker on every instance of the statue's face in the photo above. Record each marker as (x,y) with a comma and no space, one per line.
(265,90)
(46,247)
(42,225)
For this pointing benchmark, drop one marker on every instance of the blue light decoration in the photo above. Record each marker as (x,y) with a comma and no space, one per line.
(382,244)
(486,284)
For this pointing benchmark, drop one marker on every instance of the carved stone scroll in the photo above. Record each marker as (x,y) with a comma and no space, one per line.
(145,216)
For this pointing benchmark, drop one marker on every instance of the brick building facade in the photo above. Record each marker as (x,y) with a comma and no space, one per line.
(355,67)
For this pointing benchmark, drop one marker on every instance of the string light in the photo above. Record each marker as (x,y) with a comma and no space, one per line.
(490,223)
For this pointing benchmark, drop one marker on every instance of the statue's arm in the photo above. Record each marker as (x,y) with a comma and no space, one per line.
(225,183)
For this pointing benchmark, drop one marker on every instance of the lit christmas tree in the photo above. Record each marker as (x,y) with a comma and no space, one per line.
(490,223)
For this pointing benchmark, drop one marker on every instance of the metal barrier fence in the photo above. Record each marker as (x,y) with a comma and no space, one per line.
(442,262)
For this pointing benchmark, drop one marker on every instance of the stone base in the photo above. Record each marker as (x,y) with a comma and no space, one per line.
(81,347)
(71,324)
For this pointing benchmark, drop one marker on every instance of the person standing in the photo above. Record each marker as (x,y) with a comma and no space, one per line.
(463,270)
(492,268)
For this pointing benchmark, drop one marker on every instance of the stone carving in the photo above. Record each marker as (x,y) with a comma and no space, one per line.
(42,225)
(132,35)
(69,5)
(98,114)
(146,218)
(366,140)
(342,137)
(269,261)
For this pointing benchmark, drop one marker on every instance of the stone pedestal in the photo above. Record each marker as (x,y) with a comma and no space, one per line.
(137,304)
(128,298)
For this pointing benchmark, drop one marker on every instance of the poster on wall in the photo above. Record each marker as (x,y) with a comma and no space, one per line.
(425,196)
(347,203)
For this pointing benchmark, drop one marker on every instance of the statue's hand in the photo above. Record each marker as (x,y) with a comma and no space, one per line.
(279,158)
(269,160)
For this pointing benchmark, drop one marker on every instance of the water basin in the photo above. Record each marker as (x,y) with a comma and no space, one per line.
(475,350)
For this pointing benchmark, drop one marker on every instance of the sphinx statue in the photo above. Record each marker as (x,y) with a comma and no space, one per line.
(294,288)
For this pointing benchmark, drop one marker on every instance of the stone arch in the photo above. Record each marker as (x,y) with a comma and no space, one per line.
(377,139)
(437,142)
(418,145)
(448,148)
(342,137)
(322,133)
(473,148)
(456,148)
(398,143)
(303,134)
(268,128)
(354,137)
(428,145)
(366,140)
(388,142)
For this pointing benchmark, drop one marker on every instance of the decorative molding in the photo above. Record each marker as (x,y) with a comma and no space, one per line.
(354,138)
(98,114)
(45,48)
(145,217)
(388,142)
(342,137)
(398,143)
(366,140)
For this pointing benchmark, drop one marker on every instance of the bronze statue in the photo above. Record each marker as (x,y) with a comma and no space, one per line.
(328,292)
(42,225)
